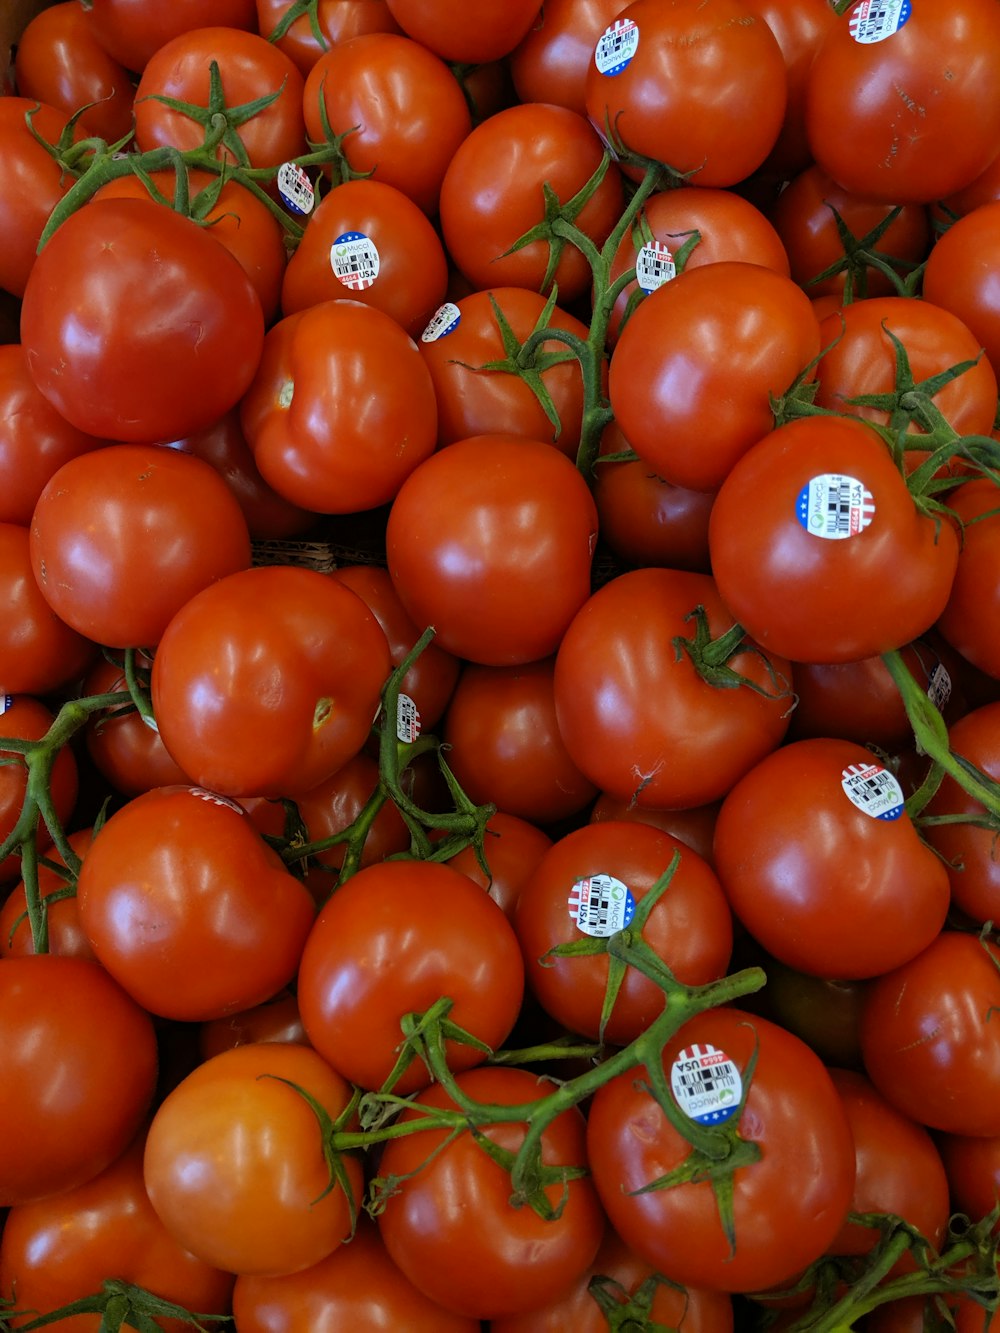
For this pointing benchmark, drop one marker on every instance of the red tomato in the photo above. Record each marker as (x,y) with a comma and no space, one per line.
(122,537)
(823,866)
(792,1111)
(927,1040)
(61,1249)
(138,373)
(25,718)
(959,276)
(589,884)
(491,541)
(504,744)
(133,30)
(832,529)
(699,362)
(369,242)
(277,1019)
(125,749)
(341,408)
(693,827)
(653,86)
(513,1260)
(496,188)
(550,62)
(234,1165)
(399,107)
(324,25)
(972,1165)
(65,932)
(79,1074)
(969,619)
(635,715)
(467,36)
(333,805)
(267,682)
(906,112)
(513,847)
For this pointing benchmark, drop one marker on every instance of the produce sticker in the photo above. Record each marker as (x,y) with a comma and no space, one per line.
(616,47)
(706,1083)
(873,790)
(601,905)
(875,20)
(834,506)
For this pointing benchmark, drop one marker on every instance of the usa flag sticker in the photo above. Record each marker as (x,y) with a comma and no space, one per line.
(834,506)
(706,1083)
(873,790)
(874,20)
(445,320)
(616,47)
(654,265)
(354,259)
(601,905)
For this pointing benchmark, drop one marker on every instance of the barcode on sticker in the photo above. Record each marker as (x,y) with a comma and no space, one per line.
(834,506)
(601,905)
(6,701)
(706,1083)
(407,719)
(354,260)
(654,265)
(873,790)
(295,188)
(875,20)
(445,320)
(616,46)
(939,686)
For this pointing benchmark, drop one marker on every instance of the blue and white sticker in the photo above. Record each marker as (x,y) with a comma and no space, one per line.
(616,46)
(834,506)
(6,701)
(407,719)
(874,20)
(873,790)
(601,905)
(654,265)
(939,685)
(213,798)
(706,1083)
(445,320)
(354,259)
(296,189)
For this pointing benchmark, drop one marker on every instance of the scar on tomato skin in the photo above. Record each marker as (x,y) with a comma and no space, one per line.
(322,712)
(922,1040)
(909,102)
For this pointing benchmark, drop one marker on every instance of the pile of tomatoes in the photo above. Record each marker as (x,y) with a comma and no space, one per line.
(499,659)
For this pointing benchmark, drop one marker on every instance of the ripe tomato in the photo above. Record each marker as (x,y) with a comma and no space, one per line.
(653,86)
(904,108)
(513,847)
(277,1019)
(968,621)
(693,827)
(550,62)
(25,718)
(927,1038)
(122,537)
(491,541)
(265,683)
(125,749)
(324,25)
(823,866)
(588,884)
(958,276)
(832,528)
(457,33)
(133,30)
(341,408)
(80,1071)
(513,1260)
(635,715)
(972,1165)
(234,1165)
(65,932)
(138,373)
(691,413)
(792,1111)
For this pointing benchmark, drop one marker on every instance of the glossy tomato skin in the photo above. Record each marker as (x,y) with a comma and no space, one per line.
(512,847)
(550,62)
(126,750)
(937,137)
(968,621)
(61,1249)
(23,717)
(341,408)
(515,1260)
(637,718)
(792,1111)
(277,1019)
(132,31)
(65,933)
(690,928)
(927,1040)
(826,879)
(392,941)
(81,1063)
(972,1165)
(283,659)
(234,1166)
(667,103)
(958,275)
(122,537)
(455,33)
(795,585)
(137,373)
(337,20)
(670,393)
(335,804)
(491,541)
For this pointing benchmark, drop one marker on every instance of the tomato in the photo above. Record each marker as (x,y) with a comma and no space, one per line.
(459,346)
(34,439)
(653,86)
(341,409)
(188,908)
(972,1165)
(669,393)
(792,1111)
(65,932)
(277,1019)
(234,1165)
(693,826)
(39,651)
(927,1039)
(906,112)
(132,30)
(335,21)
(491,541)
(635,715)
(725,226)
(367,241)
(249,67)
(968,621)
(122,537)
(513,1260)
(80,1071)
(61,1249)
(832,528)
(138,373)
(265,683)
(123,747)
(550,62)
(26,718)
(457,33)
(574,891)
(494,191)
(958,276)
(399,107)
(899,1171)
(512,848)
(504,744)
(357,1286)
(335,804)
